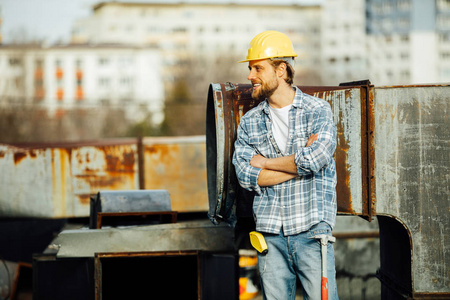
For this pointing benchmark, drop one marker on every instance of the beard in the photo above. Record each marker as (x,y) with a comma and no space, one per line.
(266,89)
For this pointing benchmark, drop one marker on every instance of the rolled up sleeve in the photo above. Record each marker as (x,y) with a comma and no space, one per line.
(243,153)
(313,158)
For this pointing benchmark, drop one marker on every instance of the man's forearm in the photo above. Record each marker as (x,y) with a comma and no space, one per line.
(282,164)
(270,177)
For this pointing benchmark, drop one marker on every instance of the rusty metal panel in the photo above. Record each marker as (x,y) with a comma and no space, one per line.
(412,155)
(177,164)
(346,106)
(56,181)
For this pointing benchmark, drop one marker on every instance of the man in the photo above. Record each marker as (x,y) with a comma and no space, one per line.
(284,151)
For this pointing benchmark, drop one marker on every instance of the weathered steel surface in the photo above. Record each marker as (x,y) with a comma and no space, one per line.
(392,161)
(178,165)
(227,103)
(346,106)
(186,236)
(132,201)
(412,155)
(56,180)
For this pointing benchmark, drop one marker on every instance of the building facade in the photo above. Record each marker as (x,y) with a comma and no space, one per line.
(66,77)
(408,41)
(130,54)
(201,33)
(343,39)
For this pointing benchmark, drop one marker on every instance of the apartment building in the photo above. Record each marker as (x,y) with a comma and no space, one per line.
(71,76)
(202,32)
(343,41)
(408,41)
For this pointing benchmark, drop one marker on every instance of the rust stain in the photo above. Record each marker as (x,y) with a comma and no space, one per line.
(84,199)
(344,201)
(19,156)
(180,169)
(112,181)
(118,159)
(344,198)
(371,150)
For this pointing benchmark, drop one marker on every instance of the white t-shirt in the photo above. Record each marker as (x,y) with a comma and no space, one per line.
(280,125)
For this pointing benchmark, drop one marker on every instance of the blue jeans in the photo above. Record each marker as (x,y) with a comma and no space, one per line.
(292,256)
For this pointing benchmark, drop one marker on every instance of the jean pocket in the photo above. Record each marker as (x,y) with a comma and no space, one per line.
(319,229)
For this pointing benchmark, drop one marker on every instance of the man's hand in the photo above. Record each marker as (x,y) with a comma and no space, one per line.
(277,170)
(311,139)
(258,161)
(283,163)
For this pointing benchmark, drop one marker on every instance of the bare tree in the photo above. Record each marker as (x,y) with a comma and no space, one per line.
(185,106)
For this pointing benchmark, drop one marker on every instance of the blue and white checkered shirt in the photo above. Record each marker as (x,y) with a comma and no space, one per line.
(299,203)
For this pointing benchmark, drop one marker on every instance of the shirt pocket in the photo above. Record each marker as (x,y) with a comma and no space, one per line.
(261,144)
(300,139)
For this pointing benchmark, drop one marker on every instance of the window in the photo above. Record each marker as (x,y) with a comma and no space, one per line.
(445,55)
(14,61)
(103,61)
(126,81)
(104,82)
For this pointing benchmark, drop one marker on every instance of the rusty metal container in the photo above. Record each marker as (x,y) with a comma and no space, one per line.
(392,161)
(56,180)
(177,164)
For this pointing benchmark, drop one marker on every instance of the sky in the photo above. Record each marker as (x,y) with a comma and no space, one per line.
(51,20)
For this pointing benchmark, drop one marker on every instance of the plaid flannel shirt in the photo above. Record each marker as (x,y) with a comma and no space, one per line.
(299,203)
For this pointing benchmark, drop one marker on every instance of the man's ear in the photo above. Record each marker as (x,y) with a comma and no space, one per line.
(281,69)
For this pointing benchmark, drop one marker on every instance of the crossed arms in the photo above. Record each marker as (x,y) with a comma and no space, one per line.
(277,170)
(255,171)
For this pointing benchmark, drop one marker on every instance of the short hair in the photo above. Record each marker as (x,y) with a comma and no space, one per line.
(289,69)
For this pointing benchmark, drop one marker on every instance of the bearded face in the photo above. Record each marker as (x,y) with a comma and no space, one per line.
(264,80)
(264,88)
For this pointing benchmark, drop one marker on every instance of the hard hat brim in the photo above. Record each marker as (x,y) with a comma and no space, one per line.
(252,59)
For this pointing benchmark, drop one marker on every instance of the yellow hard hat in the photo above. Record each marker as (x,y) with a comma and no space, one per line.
(270,44)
